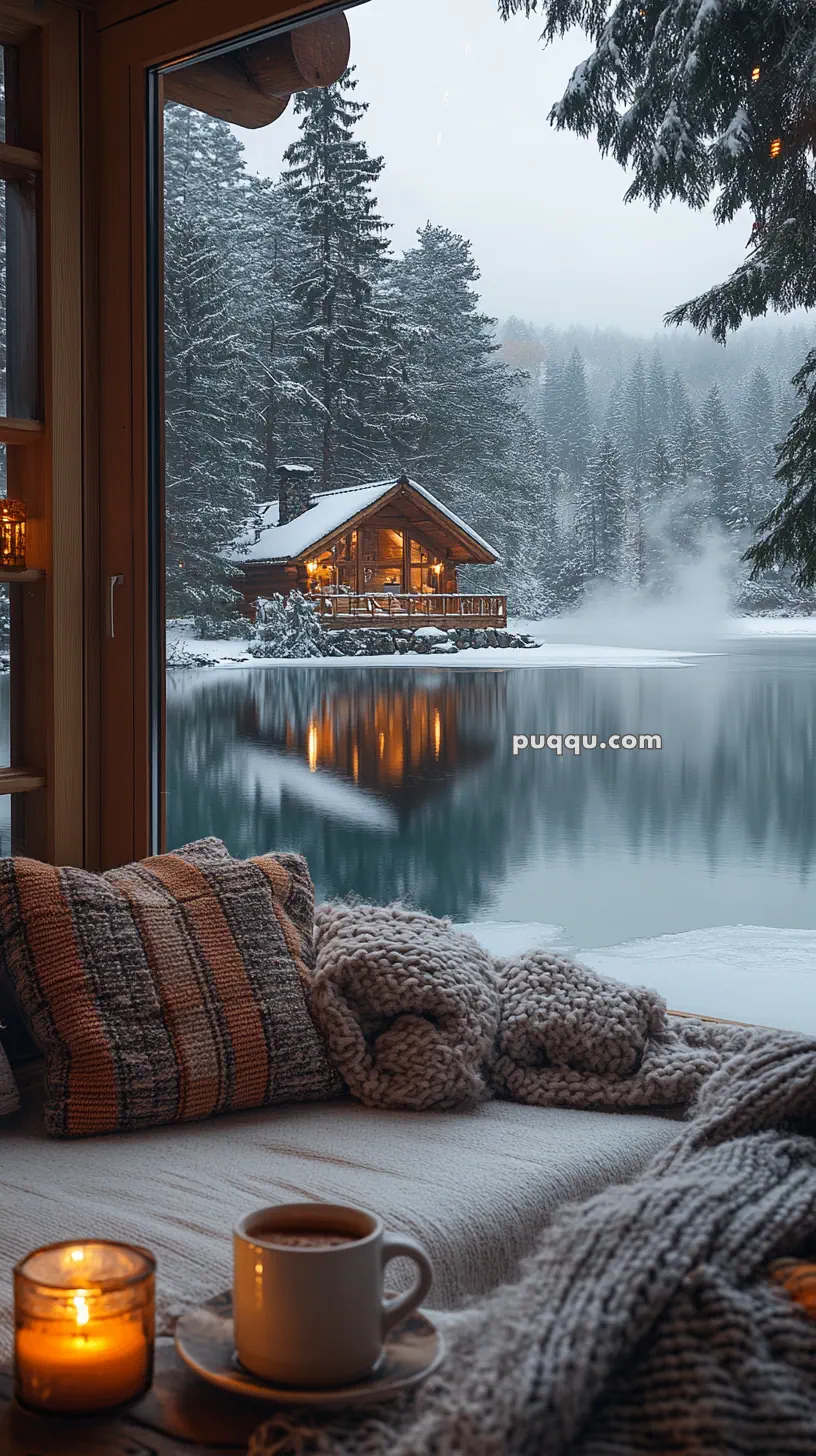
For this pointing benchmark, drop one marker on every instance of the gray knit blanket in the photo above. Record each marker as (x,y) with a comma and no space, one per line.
(645,1320)
(418,1015)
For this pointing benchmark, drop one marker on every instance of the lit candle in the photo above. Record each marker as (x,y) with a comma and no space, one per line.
(84,1324)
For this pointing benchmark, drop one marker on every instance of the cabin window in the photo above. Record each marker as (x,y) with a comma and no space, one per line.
(427,572)
(346,563)
(382,559)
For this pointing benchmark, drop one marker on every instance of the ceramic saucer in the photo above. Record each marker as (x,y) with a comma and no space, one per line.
(204,1340)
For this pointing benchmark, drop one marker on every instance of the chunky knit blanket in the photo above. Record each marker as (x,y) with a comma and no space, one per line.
(417,1015)
(645,1320)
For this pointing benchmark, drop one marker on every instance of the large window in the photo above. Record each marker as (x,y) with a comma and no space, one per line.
(563,456)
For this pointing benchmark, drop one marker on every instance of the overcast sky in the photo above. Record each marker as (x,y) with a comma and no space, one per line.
(458,108)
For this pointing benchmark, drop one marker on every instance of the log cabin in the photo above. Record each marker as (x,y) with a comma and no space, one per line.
(381,555)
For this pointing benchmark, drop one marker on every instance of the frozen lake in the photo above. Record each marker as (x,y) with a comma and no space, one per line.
(692,869)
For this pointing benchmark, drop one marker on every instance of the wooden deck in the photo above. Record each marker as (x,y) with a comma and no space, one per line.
(393,610)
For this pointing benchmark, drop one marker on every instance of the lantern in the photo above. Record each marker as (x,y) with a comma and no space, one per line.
(12,535)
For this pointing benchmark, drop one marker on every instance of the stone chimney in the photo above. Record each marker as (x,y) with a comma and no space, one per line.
(294,491)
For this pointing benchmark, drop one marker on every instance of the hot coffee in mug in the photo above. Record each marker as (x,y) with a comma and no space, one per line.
(308,1301)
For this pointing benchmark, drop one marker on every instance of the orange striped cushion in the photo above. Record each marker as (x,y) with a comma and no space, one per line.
(168,990)
(798,1277)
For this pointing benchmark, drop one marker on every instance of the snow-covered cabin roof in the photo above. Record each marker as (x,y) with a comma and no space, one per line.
(329,513)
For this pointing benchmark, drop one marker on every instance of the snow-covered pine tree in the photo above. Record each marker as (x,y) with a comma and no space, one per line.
(758,445)
(287,628)
(601,513)
(636,426)
(577,433)
(212,461)
(612,501)
(553,409)
(636,462)
(684,433)
(286,413)
(721,463)
(350,342)
(463,397)
(702,97)
(657,400)
(305,635)
(270,635)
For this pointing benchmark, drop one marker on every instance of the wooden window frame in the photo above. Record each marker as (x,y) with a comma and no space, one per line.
(132,48)
(46,457)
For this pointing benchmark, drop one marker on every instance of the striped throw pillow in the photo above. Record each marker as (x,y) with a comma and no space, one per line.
(168,990)
(9,1096)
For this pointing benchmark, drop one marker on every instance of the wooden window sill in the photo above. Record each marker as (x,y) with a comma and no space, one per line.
(20,781)
(18,162)
(19,432)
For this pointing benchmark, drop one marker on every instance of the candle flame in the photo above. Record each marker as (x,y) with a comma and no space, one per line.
(77,1255)
(81,1306)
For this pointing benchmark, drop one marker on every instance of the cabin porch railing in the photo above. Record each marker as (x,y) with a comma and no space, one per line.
(401,609)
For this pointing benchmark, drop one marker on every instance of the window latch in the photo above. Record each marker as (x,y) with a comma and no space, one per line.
(115,581)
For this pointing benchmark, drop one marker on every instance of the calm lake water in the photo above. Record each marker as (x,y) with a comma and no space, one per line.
(403,784)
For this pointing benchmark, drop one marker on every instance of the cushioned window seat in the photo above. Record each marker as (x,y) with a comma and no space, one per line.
(474,1186)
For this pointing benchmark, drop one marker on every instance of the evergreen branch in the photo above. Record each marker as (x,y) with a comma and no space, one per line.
(790,528)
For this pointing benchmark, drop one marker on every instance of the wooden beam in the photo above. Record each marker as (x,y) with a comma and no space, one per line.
(222,88)
(251,86)
(313,55)
(18,162)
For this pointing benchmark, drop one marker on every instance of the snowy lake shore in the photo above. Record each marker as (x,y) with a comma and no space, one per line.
(754,973)
(234,653)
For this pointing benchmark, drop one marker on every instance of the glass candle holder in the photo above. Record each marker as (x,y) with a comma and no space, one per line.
(12,534)
(84,1327)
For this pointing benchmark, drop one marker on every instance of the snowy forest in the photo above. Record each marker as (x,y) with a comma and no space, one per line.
(295,332)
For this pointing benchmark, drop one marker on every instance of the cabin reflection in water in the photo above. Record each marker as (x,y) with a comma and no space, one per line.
(403,736)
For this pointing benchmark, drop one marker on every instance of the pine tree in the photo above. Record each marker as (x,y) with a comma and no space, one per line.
(685,434)
(791,526)
(697,98)
(758,435)
(463,397)
(657,400)
(270,635)
(554,410)
(577,434)
(287,628)
(305,634)
(721,464)
(636,425)
(351,348)
(212,463)
(286,415)
(602,512)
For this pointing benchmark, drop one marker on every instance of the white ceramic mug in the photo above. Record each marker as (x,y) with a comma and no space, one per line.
(312,1317)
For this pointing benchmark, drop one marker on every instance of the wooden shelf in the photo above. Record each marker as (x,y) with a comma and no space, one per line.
(31,573)
(20,781)
(19,432)
(17,162)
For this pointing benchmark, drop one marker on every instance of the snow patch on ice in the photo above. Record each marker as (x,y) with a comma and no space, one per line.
(771,627)
(514,937)
(753,973)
